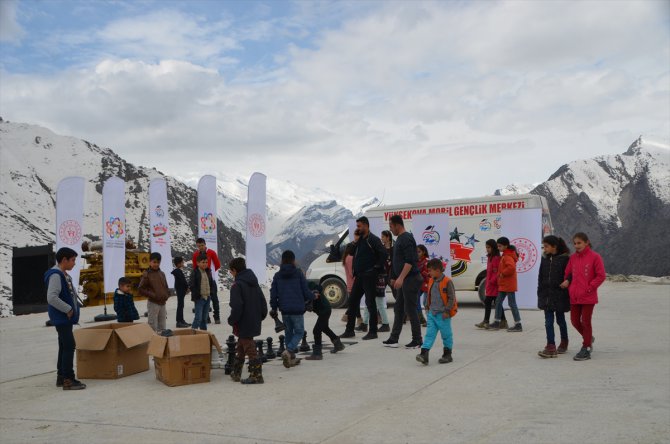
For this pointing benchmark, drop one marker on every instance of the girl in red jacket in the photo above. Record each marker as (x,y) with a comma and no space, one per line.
(584,273)
(507,286)
(491,283)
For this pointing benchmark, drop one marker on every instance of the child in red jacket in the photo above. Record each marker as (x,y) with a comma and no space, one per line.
(584,273)
(491,284)
(507,286)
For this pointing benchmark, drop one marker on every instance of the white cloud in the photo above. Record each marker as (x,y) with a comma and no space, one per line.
(10,29)
(427,101)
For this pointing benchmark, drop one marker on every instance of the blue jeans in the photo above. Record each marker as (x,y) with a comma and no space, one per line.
(512,306)
(295,328)
(435,324)
(66,346)
(201,313)
(549,325)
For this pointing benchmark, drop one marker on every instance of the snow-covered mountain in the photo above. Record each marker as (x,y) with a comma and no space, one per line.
(621,201)
(514,188)
(33,160)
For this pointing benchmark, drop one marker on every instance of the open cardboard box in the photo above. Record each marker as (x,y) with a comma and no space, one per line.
(112,351)
(184,358)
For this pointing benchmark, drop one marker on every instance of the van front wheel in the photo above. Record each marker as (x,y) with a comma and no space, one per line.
(335,291)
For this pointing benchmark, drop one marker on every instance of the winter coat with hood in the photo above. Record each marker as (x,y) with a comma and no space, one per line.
(507,271)
(248,306)
(586,272)
(289,291)
(492,265)
(550,296)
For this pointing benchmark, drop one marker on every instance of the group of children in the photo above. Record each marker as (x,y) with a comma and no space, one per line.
(566,283)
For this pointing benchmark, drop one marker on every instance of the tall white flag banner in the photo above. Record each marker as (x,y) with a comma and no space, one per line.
(113,232)
(523,228)
(256,224)
(160,227)
(432,230)
(70,218)
(207,219)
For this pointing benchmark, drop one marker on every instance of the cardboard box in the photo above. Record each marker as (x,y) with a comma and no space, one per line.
(184,358)
(112,351)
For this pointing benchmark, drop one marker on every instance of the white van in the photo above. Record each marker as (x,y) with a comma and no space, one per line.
(479,216)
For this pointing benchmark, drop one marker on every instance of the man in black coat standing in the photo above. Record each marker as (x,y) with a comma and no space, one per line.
(369,260)
(248,308)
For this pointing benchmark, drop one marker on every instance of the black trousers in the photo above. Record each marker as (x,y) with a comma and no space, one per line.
(180,306)
(405,304)
(322,326)
(490,303)
(364,284)
(66,345)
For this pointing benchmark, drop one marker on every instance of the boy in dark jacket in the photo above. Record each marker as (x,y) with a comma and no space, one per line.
(322,308)
(289,294)
(181,288)
(203,288)
(248,308)
(123,302)
(63,314)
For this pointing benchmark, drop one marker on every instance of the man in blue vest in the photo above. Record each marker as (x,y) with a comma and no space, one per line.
(64,313)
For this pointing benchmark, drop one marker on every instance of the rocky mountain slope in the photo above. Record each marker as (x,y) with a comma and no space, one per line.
(622,202)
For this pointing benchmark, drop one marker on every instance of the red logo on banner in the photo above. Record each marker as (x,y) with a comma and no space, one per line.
(70,232)
(460,252)
(256,225)
(527,254)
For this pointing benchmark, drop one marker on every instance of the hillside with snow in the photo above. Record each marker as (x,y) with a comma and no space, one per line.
(33,160)
(622,202)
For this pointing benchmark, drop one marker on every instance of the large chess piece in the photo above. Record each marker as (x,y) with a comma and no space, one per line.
(231,344)
(259,347)
(270,353)
(282,347)
(279,325)
(304,346)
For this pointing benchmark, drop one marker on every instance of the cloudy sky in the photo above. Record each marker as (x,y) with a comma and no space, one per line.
(413,100)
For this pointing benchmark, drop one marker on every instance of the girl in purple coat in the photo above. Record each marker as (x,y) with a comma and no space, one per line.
(584,273)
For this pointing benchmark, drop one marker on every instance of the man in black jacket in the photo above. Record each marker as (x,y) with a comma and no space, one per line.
(369,260)
(248,308)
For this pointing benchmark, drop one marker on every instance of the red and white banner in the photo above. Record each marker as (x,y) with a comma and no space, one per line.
(113,232)
(207,218)
(256,226)
(432,230)
(523,228)
(69,219)
(159,226)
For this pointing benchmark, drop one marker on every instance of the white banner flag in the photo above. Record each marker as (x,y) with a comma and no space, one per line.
(160,226)
(113,232)
(69,219)
(207,219)
(256,223)
(432,230)
(523,228)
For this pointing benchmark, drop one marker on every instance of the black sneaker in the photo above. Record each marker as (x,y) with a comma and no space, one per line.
(414,344)
(369,336)
(493,326)
(384,329)
(362,327)
(59,381)
(348,334)
(583,355)
(393,343)
(517,327)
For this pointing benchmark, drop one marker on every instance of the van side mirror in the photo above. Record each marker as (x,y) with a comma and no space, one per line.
(334,255)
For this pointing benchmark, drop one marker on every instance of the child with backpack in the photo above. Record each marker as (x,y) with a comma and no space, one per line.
(441,306)
(584,273)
